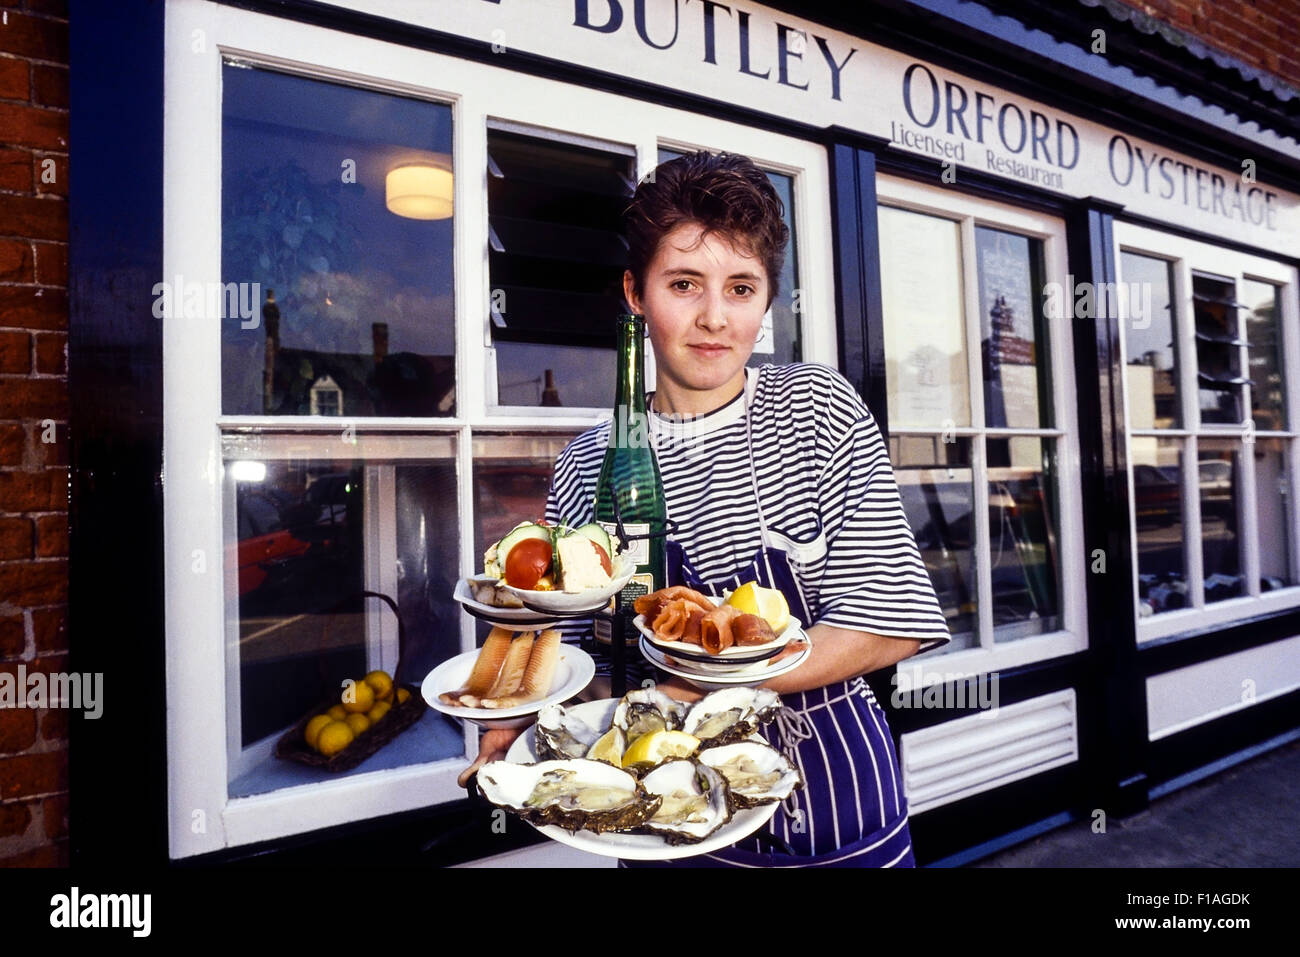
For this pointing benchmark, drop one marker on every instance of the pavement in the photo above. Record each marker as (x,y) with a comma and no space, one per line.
(1246,815)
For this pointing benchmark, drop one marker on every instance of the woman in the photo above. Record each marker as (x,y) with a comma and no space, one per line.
(776,475)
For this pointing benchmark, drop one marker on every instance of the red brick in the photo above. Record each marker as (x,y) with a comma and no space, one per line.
(17,727)
(15,353)
(17,264)
(26,307)
(50,174)
(51,353)
(15,538)
(13,636)
(52,536)
(50,86)
(24,774)
(13,447)
(49,454)
(35,37)
(35,583)
(14,819)
(50,628)
(43,491)
(54,726)
(33,126)
(46,664)
(53,8)
(55,811)
(46,856)
(16,170)
(13,79)
(52,264)
(33,218)
(24,398)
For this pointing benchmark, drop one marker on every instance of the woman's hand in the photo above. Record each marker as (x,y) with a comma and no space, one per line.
(839,654)
(492,746)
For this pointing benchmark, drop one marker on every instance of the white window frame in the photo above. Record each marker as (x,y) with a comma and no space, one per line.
(991,656)
(1186,257)
(199,37)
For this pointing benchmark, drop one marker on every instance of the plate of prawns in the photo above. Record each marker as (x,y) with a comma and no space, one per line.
(507,681)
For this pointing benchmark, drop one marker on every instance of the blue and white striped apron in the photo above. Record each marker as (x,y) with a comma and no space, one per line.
(851,811)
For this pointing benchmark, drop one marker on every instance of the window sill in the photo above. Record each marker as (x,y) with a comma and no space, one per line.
(1187,622)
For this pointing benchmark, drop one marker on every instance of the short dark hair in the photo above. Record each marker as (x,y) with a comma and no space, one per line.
(723,192)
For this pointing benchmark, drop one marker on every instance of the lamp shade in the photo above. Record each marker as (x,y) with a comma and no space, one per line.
(419,191)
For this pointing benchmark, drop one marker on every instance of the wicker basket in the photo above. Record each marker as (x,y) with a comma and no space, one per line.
(292,746)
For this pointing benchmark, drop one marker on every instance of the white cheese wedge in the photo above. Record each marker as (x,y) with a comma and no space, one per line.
(580,566)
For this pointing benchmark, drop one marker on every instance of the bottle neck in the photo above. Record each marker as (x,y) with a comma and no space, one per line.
(629,391)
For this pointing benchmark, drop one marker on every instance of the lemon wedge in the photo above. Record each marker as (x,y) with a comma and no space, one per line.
(768,603)
(659,746)
(609,748)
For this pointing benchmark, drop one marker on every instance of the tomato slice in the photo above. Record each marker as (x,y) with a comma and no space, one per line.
(604,559)
(528,562)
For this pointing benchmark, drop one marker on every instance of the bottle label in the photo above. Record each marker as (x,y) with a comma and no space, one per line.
(638,550)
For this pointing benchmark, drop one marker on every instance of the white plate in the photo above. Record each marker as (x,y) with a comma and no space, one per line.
(751,677)
(729,661)
(576,603)
(634,847)
(512,619)
(573,672)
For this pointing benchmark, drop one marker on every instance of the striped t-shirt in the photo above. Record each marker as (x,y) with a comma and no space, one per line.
(828,496)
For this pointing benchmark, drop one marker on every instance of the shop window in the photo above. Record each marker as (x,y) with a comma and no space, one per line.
(1211,435)
(337,232)
(973,420)
(556,259)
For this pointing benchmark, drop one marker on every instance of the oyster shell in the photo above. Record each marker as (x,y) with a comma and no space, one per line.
(574,794)
(645,710)
(755,773)
(731,714)
(562,735)
(694,801)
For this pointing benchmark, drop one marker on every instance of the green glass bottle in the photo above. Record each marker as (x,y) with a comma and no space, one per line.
(631,471)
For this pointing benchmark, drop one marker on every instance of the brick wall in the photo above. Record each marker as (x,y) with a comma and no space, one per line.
(33,421)
(1262,33)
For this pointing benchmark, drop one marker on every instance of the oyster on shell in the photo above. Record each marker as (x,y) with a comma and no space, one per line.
(645,710)
(731,714)
(562,735)
(573,794)
(755,773)
(694,801)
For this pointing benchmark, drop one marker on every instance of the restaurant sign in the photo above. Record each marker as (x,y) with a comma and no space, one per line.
(783,65)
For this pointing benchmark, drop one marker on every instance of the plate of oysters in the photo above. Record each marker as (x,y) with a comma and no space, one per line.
(553,569)
(645,777)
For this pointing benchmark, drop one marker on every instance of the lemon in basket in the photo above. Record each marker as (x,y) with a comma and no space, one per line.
(358,697)
(380,709)
(333,738)
(312,731)
(768,603)
(381,683)
(359,723)
(659,746)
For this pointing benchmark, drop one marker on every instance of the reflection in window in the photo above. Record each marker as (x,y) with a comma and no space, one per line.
(1012,333)
(1158,503)
(1152,371)
(779,342)
(925,333)
(1276,516)
(556,259)
(1219,483)
(1263,333)
(310,535)
(935,483)
(1023,536)
(336,210)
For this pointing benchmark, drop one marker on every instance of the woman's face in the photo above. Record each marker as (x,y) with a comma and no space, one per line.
(704,301)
